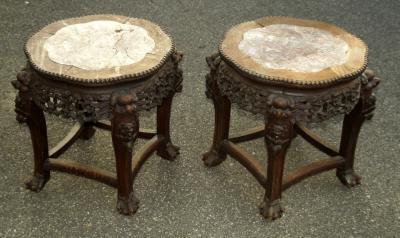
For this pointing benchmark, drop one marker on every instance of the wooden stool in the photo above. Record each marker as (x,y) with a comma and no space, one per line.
(88,96)
(288,97)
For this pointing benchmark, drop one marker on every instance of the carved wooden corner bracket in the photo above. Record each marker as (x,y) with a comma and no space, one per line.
(23,98)
(177,57)
(213,62)
(279,122)
(123,107)
(368,82)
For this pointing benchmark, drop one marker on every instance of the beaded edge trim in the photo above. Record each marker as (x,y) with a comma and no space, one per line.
(101,81)
(288,81)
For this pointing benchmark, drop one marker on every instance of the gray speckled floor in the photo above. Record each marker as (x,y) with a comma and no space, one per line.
(183,198)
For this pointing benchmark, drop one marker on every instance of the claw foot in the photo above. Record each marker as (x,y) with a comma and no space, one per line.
(348,177)
(271,210)
(169,152)
(127,206)
(37,182)
(212,158)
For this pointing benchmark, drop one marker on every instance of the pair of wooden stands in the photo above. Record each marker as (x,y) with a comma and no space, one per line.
(287,101)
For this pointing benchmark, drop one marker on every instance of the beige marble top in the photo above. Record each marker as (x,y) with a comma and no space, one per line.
(99,45)
(75,65)
(294,50)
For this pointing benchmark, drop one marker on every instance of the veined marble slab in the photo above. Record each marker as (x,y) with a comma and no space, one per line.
(100,44)
(295,48)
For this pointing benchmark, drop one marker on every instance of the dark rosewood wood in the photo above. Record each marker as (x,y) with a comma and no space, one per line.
(251,134)
(250,163)
(73,167)
(311,169)
(143,133)
(93,99)
(74,134)
(315,140)
(83,131)
(124,130)
(103,125)
(285,116)
(144,153)
(222,108)
(37,127)
(29,108)
(44,94)
(167,150)
(351,128)
(278,135)
(146,133)
(27,111)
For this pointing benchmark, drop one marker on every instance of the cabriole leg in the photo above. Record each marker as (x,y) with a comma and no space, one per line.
(351,128)
(278,135)
(167,151)
(29,112)
(124,130)
(222,108)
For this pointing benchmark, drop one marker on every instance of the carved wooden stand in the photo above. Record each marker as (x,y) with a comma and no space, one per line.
(38,94)
(285,114)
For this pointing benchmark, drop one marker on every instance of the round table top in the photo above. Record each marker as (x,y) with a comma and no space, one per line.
(294,51)
(37,52)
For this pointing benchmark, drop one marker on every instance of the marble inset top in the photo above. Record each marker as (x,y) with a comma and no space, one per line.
(108,49)
(293,52)
(293,47)
(99,44)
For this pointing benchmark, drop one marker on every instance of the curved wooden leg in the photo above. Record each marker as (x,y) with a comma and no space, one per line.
(278,135)
(30,113)
(222,108)
(167,151)
(124,130)
(351,128)
(37,126)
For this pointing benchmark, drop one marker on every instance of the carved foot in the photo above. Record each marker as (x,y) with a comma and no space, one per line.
(271,210)
(37,182)
(349,178)
(168,152)
(212,158)
(128,206)
(87,133)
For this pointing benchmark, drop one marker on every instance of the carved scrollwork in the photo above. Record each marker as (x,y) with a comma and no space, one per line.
(90,105)
(167,80)
(307,107)
(279,121)
(23,97)
(368,82)
(125,117)
(213,62)
(23,80)
(126,132)
(68,104)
